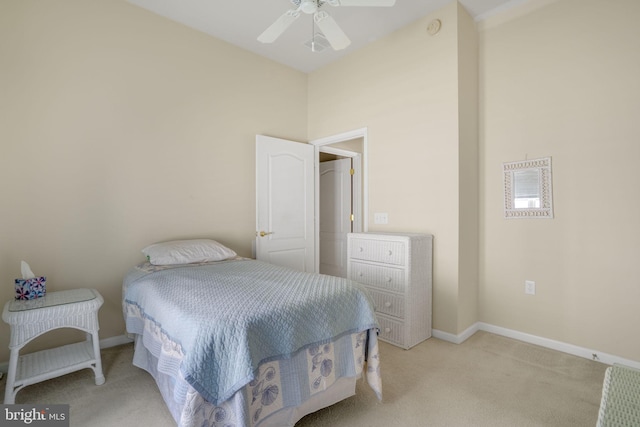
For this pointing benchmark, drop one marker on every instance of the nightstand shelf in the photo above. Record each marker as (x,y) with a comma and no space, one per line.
(42,365)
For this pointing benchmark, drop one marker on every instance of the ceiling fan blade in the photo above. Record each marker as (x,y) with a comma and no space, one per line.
(368,3)
(337,38)
(277,28)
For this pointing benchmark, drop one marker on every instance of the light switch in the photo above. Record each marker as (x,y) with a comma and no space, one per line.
(529,287)
(381,218)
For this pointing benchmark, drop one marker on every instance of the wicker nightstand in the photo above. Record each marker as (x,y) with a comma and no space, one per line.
(620,402)
(77,308)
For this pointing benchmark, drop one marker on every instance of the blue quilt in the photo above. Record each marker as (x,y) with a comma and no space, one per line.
(229,317)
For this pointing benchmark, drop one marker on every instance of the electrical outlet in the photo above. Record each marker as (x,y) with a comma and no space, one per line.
(529,287)
(381,218)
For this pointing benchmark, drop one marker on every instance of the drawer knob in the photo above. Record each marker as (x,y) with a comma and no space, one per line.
(360,273)
(390,253)
(388,279)
(387,304)
(361,249)
(387,330)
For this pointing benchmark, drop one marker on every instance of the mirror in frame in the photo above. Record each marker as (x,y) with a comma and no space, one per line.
(527,189)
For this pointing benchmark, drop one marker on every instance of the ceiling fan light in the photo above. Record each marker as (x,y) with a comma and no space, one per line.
(308,6)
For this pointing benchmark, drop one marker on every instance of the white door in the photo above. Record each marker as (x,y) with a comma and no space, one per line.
(335,216)
(285,203)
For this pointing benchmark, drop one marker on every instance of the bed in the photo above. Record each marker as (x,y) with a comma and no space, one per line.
(240,342)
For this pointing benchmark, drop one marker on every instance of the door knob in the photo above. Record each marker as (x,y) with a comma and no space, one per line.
(264,233)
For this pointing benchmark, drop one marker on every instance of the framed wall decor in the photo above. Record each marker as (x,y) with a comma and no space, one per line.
(528,189)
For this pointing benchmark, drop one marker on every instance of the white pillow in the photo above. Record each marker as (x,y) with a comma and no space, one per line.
(187,252)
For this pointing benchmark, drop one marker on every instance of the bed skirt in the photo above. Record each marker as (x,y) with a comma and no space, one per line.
(283,391)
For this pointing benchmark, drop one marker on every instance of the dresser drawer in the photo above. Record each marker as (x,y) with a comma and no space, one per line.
(390,304)
(388,252)
(391,330)
(388,278)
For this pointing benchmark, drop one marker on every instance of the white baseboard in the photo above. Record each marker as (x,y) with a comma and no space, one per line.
(114,341)
(456,339)
(586,353)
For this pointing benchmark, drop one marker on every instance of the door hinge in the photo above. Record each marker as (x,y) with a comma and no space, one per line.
(352,171)
(352,217)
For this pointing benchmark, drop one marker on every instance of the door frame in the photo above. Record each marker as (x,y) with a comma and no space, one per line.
(321,145)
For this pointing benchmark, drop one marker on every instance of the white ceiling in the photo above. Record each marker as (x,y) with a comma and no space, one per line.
(240,22)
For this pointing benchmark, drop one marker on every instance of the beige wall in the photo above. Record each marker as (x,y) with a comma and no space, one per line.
(468,170)
(404,89)
(562,81)
(119,128)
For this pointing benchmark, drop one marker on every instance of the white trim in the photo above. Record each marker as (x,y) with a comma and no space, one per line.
(338,151)
(115,341)
(446,336)
(358,213)
(345,136)
(585,353)
(575,350)
(503,7)
(456,339)
(508,11)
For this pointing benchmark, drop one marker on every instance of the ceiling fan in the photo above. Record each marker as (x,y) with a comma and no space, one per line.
(332,32)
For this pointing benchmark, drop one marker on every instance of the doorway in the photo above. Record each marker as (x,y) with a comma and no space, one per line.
(336,212)
(330,251)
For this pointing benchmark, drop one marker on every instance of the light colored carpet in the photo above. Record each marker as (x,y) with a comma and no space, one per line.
(488,380)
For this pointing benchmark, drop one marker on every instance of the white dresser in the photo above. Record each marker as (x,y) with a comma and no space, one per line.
(396,269)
